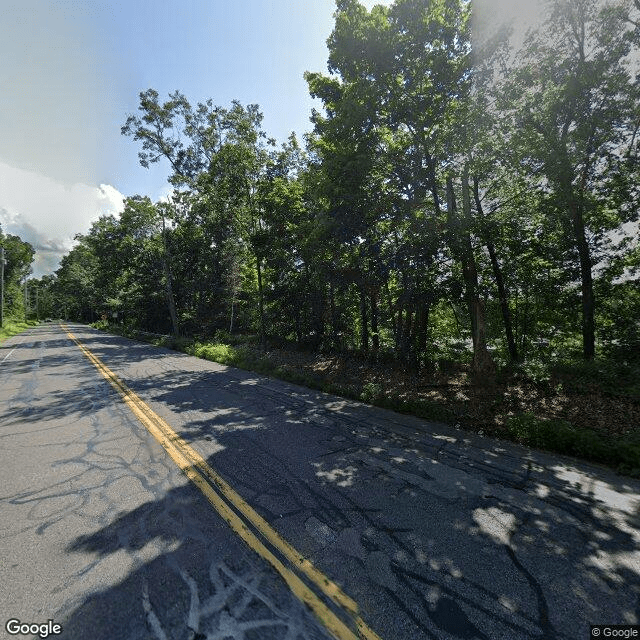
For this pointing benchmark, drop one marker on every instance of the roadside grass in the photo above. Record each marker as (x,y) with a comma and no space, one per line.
(13,327)
(557,436)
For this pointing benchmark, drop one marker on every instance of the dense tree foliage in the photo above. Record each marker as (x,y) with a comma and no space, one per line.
(18,257)
(456,199)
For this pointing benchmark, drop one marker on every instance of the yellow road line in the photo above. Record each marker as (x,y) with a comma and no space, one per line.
(195,467)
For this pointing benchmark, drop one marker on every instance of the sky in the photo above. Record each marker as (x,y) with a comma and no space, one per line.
(72,71)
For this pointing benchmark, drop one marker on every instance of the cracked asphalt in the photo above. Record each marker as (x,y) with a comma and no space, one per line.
(434,532)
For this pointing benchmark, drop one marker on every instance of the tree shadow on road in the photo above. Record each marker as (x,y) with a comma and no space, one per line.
(434,532)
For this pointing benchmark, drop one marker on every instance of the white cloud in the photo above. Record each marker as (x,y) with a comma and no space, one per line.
(48,214)
(164,193)
(111,199)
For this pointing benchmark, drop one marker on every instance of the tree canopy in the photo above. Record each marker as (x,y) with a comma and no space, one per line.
(455,199)
(18,256)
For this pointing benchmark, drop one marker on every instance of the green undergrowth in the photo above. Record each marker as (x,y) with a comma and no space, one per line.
(558,436)
(616,378)
(371,394)
(13,327)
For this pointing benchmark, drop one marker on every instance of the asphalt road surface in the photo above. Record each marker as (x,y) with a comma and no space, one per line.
(181,499)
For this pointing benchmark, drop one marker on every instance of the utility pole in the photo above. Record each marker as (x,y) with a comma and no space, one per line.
(2,263)
(37,310)
(26,300)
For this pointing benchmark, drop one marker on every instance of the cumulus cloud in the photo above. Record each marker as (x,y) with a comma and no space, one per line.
(164,193)
(48,214)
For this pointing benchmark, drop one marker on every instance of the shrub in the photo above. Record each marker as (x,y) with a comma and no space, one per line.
(371,392)
(101,324)
(615,378)
(559,436)
(216,352)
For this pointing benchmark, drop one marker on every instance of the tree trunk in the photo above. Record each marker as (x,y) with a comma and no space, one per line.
(497,274)
(406,332)
(398,328)
(263,337)
(423,325)
(395,323)
(375,338)
(364,338)
(460,240)
(320,307)
(574,206)
(586,278)
(332,304)
(524,322)
(233,295)
(298,324)
(168,280)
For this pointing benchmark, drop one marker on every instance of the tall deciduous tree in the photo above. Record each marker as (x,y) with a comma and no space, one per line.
(18,256)
(407,70)
(574,107)
(217,157)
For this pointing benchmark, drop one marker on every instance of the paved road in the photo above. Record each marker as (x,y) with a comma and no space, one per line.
(434,533)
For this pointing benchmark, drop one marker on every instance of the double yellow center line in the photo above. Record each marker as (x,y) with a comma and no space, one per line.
(345,624)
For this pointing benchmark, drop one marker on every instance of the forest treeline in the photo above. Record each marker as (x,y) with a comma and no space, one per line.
(18,257)
(457,198)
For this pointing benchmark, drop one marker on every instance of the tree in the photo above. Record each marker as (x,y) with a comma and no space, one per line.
(76,289)
(217,157)
(405,82)
(18,255)
(573,108)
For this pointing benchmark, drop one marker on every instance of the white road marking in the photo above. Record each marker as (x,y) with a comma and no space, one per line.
(12,350)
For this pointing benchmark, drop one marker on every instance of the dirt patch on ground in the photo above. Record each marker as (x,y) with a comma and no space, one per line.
(480,406)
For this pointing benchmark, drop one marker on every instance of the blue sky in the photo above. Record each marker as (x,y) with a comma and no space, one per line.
(254,51)
(72,70)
